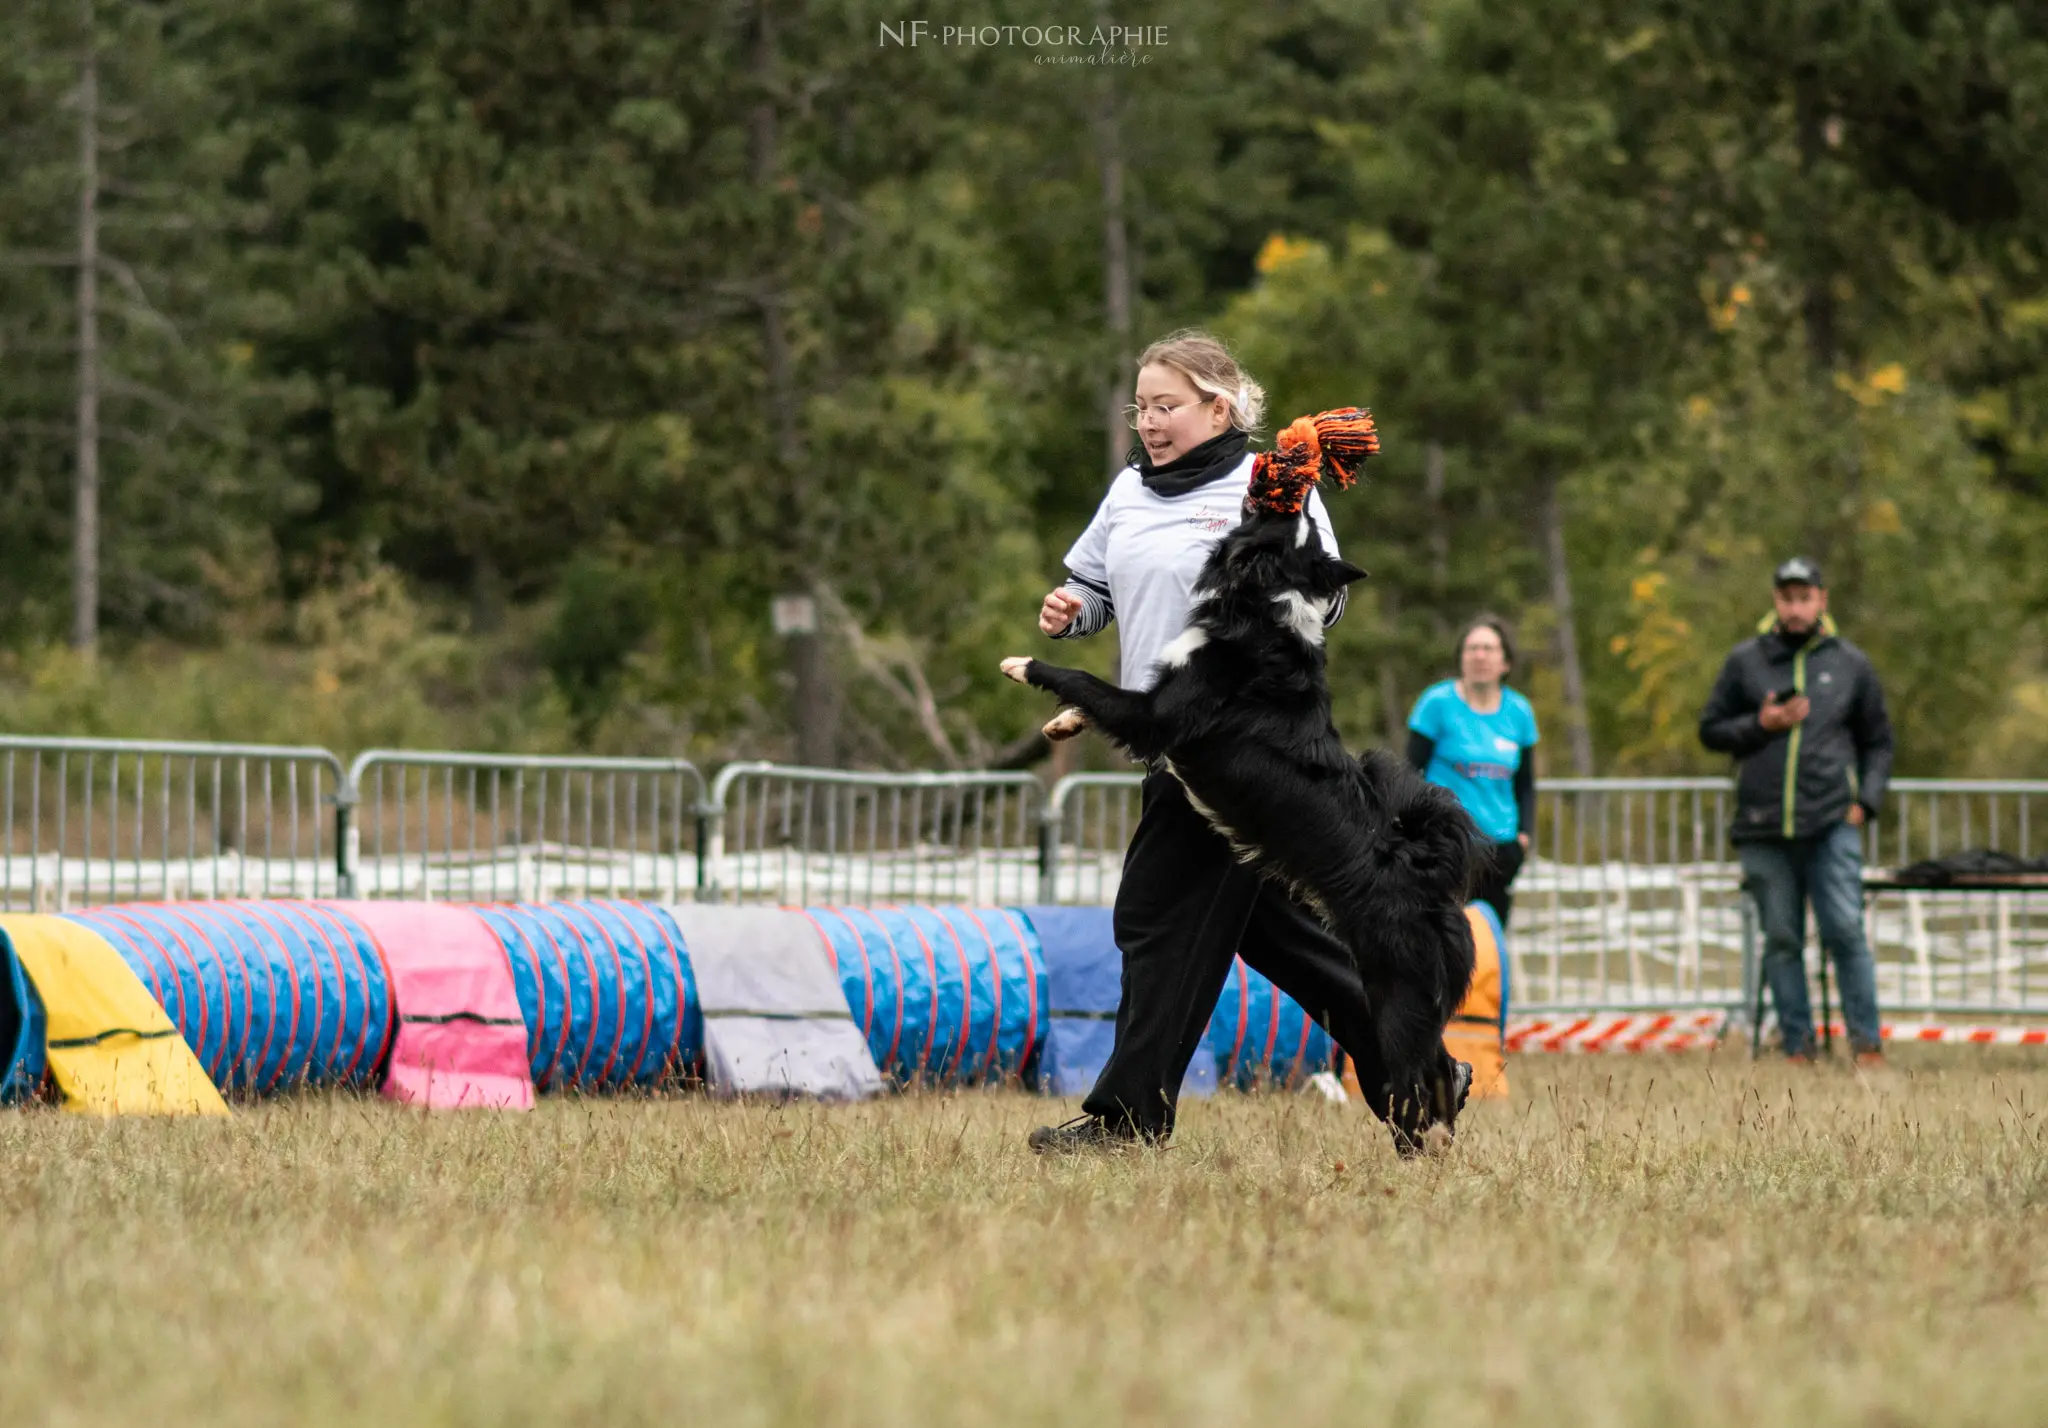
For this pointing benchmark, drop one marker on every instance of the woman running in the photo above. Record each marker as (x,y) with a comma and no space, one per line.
(1186,905)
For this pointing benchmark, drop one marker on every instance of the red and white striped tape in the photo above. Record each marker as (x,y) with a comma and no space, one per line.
(1619,1031)
(1691,1031)
(1970,1035)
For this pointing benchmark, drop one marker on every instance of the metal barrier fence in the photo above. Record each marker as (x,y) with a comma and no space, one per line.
(1960,953)
(798,835)
(1631,898)
(1089,818)
(113,820)
(505,827)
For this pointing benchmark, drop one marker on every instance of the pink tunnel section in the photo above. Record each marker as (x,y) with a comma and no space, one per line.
(461,1039)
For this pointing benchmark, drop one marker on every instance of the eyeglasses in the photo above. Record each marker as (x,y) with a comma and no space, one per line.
(1136,412)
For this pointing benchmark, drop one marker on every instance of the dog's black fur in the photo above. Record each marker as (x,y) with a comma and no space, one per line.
(1241,716)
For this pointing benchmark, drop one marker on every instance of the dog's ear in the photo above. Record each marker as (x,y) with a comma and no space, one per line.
(1343,572)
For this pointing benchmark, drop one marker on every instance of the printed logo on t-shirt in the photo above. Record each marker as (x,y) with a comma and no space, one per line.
(1209,519)
(1503,745)
(1479,770)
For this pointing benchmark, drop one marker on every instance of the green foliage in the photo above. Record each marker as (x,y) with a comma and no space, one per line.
(366,665)
(486,368)
(1920,545)
(601,616)
(191,493)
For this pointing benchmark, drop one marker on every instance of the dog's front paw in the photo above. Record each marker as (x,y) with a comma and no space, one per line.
(1017,667)
(1461,1087)
(1065,724)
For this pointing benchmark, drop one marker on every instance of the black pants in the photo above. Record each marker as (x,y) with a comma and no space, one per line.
(1494,883)
(1185,907)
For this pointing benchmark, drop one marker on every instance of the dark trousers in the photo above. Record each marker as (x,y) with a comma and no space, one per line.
(1495,881)
(1782,874)
(1185,907)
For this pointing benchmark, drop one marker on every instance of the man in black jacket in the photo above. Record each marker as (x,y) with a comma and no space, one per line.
(1801,710)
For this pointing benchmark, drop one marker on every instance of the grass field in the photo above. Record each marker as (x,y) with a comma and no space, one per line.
(1664,1240)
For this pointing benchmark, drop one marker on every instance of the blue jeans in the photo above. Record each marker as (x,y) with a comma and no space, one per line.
(1781,874)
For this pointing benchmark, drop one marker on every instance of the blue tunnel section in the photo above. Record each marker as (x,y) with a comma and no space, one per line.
(269,995)
(22,1031)
(946,996)
(1262,1037)
(1257,1036)
(871,973)
(607,992)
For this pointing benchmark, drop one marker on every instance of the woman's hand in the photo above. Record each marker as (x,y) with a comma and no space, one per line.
(1523,839)
(1059,611)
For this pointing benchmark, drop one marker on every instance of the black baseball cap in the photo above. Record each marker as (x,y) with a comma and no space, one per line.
(1798,571)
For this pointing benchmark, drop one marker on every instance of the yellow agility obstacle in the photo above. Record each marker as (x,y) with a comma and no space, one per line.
(112,1049)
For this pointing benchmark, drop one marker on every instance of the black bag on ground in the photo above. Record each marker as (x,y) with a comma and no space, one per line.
(1976,863)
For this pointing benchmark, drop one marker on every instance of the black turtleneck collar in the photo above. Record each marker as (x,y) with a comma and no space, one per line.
(1194,468)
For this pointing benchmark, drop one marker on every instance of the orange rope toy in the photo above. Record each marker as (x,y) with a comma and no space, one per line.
(1334,441)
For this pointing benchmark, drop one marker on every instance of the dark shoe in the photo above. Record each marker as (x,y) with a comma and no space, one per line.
(1081,1136)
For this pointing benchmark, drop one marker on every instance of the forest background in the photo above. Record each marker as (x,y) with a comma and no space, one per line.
(478,373)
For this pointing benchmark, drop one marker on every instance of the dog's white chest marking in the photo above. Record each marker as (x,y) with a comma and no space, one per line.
(1251,853)
(1246,852)
(1301,530)
(1303,615)
(1182,647)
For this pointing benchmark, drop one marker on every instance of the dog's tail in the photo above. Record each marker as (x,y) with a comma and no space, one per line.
(1483,862)
(1434,852)
(1432,834)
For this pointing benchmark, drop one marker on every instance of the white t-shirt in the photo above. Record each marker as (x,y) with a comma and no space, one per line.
(1145,551)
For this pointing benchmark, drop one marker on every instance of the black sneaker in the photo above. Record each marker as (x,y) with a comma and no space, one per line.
(1082,1135)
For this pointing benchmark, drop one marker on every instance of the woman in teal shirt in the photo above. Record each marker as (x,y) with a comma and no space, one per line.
(1474,736)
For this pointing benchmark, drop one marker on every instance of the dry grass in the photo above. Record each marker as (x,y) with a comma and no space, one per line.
(1672,1240)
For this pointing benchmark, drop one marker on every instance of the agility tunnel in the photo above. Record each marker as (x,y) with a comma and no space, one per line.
(106,1042)
(459,1038)
(1084,982)
(1257,1036)
(269,995)
(453,1005)
(1478,1032)
(606,992)
(22,1030)
(944,996)
(776,1018)
(423,1000)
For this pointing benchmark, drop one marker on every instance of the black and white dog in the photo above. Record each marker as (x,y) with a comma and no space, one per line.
(1241,716)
